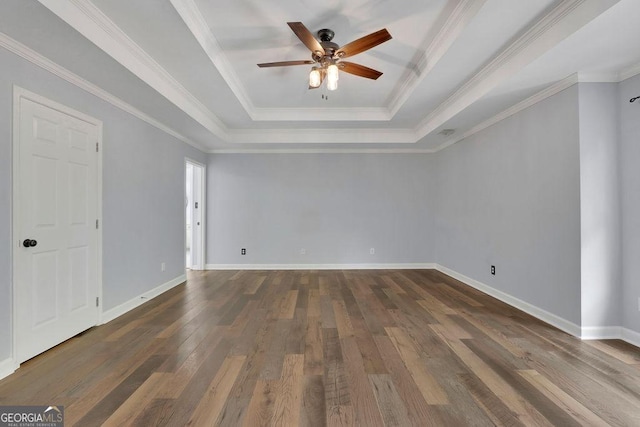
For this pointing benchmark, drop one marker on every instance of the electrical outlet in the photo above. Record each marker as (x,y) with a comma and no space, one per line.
(163,267)
(243,251)
(372,251)
(303,251)
(493,270)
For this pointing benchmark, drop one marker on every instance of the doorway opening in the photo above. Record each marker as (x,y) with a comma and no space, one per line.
(194,214)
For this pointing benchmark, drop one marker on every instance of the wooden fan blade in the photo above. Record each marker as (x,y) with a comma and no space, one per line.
(364,43)
(285,63)
(307,38)
(359,70)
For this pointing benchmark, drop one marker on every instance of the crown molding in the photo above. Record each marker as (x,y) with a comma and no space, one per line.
(324,151)
(323,136)
(46,64)
(562,21)
(522,105)
(463,12)
(197,25)
(629,72)
(89,21)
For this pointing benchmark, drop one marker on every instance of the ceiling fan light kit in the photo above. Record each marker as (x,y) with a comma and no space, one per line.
(327,56)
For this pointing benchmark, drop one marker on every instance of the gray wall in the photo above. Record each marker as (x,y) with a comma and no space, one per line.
(509,196)
(630,195)
(601,245)
(143,188)
(336,206)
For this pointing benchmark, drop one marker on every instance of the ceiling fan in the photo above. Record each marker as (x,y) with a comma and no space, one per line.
(327,57)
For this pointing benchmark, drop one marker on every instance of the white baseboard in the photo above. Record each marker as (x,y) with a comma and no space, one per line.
(109,315)
(632,337)
(537,312)
(7,367)
(399,266)
(601,332)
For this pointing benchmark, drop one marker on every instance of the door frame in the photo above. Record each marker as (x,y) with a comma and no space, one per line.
(20,93)
(203,201)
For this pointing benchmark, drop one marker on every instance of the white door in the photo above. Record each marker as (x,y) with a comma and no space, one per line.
(55,227)
(195,212)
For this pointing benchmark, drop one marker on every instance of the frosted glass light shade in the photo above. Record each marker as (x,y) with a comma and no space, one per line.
(332,72)
(314,78)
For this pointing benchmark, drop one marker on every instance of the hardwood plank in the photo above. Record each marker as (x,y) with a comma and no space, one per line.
(571,406)
(391,406)
(363,399)
(419,411)
(431,391)
(313,410)
(135,404)
(288,396)
(260,410)
(313,357)
(336,384)
(212,403)
(252,286)
(630,357)
(510,396)
(288,306)
(343,322)
(112,401)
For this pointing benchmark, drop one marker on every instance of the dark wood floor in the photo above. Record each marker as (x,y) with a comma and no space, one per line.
(305,348)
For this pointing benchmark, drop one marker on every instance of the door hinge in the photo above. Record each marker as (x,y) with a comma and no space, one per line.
(97,224)
(97,301)
(97,147)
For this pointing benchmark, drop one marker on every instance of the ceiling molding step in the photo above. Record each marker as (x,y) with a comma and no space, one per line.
(46,64)
(87,19)
(562,21)
(463,13)
(522,105)
(323,136)
(321,114)
(607,77)
(324,151)
(629,72)
(197,25)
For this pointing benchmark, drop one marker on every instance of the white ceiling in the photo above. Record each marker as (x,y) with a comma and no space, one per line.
(190,65)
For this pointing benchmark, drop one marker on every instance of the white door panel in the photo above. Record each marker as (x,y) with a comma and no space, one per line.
(55,281)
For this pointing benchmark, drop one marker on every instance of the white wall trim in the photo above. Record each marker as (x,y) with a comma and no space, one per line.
(545,316)
(93,24)
(629,72)
(514,109)
(398,266)
(585,333)
(7,367)
(109,315)
(632,337)
(601,332)
(323,151)
(462,14)
(46,64)
(562,21)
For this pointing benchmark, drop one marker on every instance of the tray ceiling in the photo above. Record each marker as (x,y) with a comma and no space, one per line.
(459,64)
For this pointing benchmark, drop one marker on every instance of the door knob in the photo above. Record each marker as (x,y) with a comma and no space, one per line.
(28,243)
